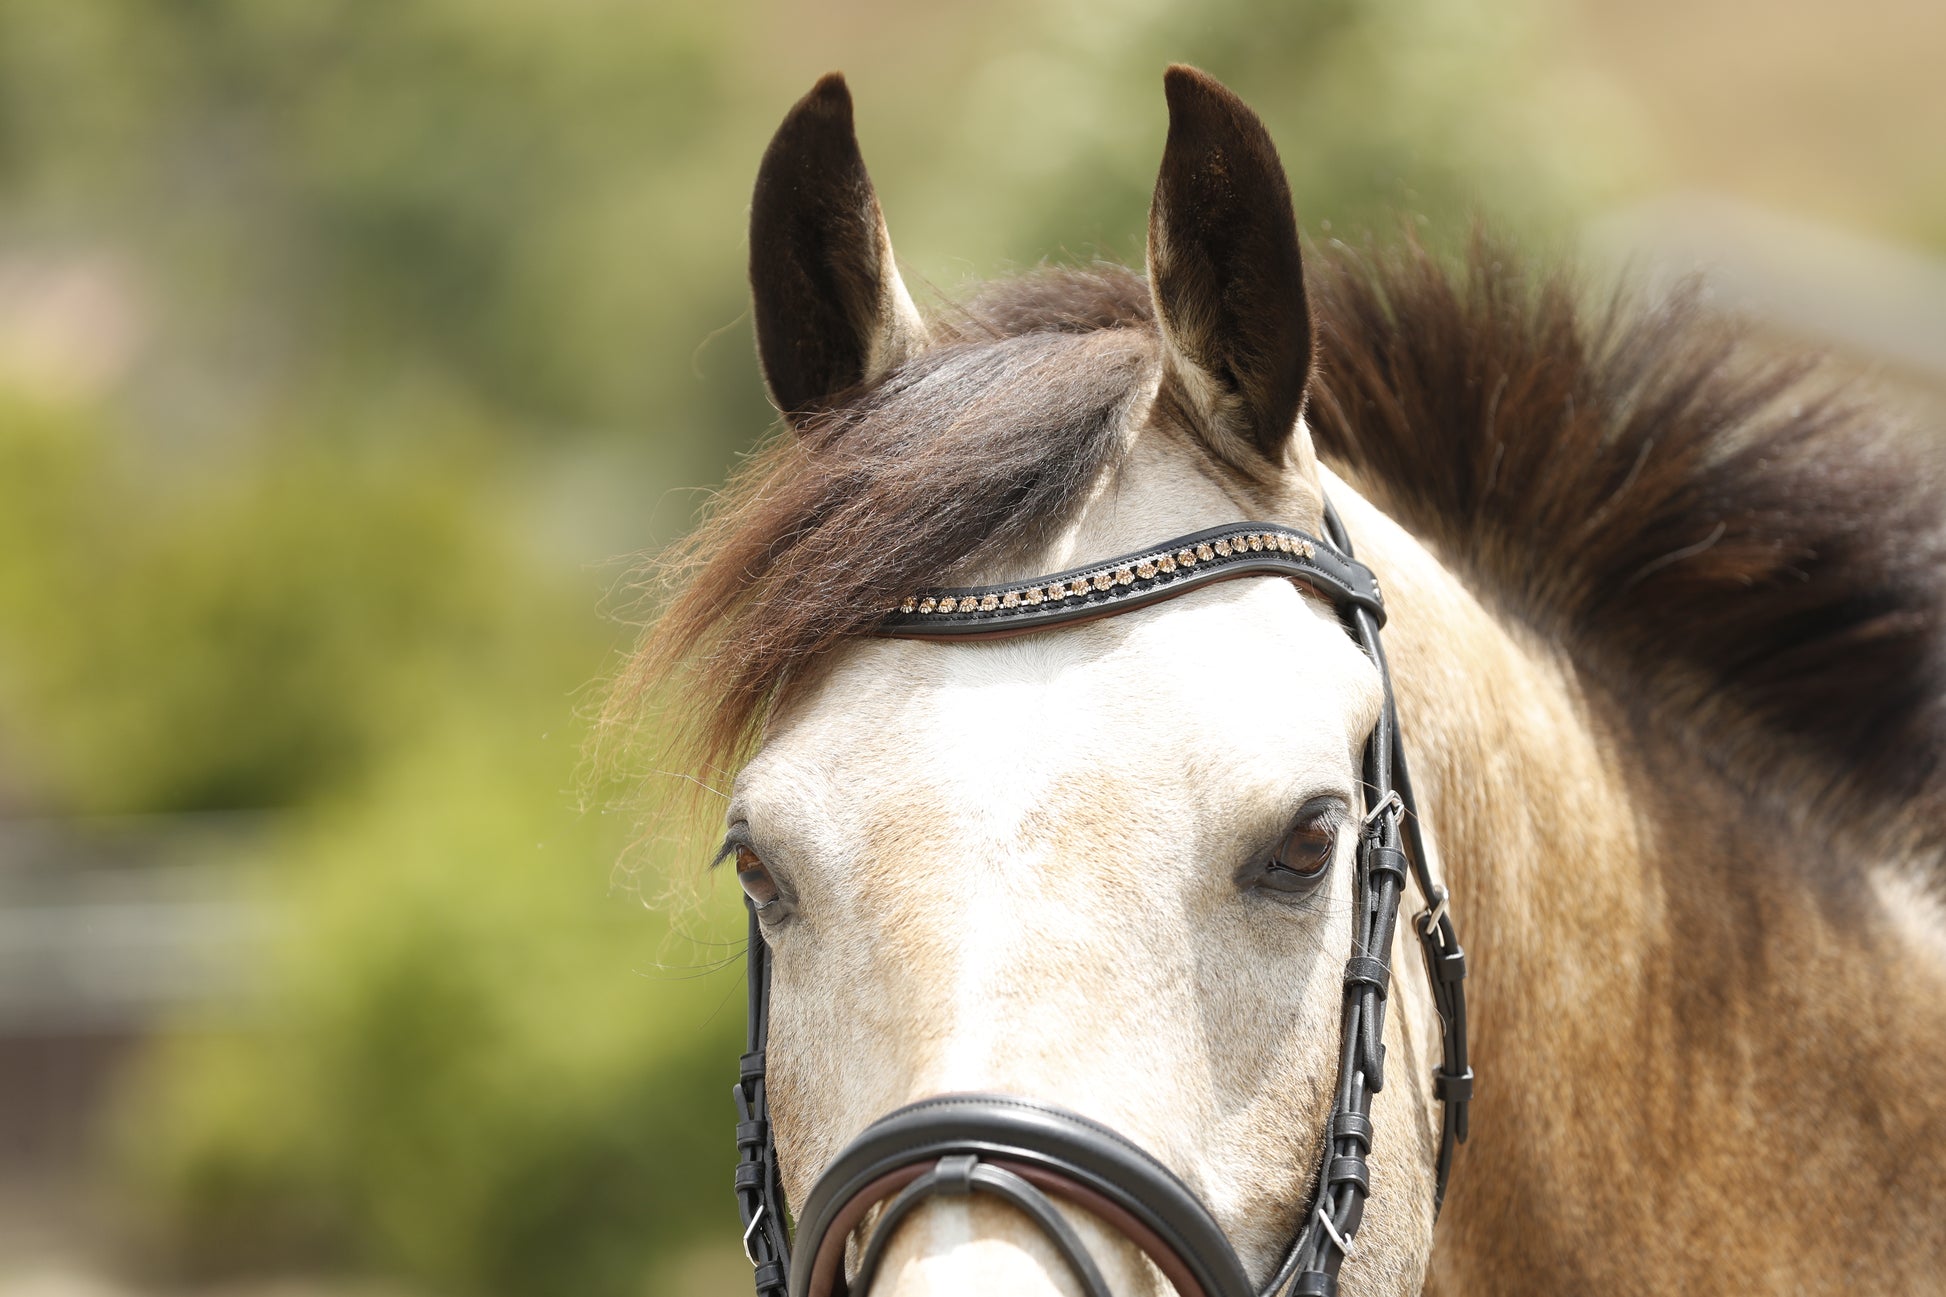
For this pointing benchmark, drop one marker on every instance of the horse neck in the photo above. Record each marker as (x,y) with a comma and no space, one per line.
(1691,1061)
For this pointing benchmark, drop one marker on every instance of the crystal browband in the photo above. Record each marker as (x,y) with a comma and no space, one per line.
(1146,576)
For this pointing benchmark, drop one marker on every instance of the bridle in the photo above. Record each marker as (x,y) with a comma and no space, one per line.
(1021,1150)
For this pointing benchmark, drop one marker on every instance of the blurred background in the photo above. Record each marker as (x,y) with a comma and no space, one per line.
(349,351)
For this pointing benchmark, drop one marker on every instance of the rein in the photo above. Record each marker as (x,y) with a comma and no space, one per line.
(1021,1150)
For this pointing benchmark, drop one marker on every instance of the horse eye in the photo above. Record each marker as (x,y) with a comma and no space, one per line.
(1305,854)
(754,876)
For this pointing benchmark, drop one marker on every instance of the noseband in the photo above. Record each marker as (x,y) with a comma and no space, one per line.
(1022,1151)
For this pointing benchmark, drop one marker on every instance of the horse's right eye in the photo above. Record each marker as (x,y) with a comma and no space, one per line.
(754,876)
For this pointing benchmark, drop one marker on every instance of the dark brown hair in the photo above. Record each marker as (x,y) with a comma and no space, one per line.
(1739,555)
(961,455)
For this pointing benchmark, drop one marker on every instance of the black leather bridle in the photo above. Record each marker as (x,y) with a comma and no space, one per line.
(1021,1150)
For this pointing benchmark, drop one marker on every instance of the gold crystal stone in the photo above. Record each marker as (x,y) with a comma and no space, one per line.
(1057,592)
(1034,595)
(1308,549)
(1256,542)
(1284,543)
(1078,586)
(1011,599)
(1222,547)
(909,605)
(1123,576)
(1205,553)
(948,604)
(1166,563)
(927,605)
(989,602)
(1103,580)
(1187,558)
(1145,570)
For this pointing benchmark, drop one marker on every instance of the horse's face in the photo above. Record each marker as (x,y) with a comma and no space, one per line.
(1109,866)
(1049,867)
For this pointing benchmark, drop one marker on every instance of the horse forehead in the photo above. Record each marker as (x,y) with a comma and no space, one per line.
(1246,682)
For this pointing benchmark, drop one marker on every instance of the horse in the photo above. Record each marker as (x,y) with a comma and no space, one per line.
(1663,617)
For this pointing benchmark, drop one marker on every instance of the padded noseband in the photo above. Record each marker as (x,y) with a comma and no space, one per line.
(1042,1149)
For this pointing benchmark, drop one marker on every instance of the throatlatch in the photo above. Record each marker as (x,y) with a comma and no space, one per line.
(1022,1150)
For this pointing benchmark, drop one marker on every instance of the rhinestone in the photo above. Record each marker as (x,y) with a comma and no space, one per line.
(1011,599)
(1145,570)
(1167,563)
(1123,576)
(989,602)
(1103,580)
(1222,547)
(1187,558)
(927,605)
(909,605)
(1284,543)
(1057,592)
(1205,553)
(1307,549)
(1034,596)
(1079,586)
(1256,542)
(948,604)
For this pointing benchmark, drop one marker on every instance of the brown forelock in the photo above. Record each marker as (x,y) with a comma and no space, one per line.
(978,447)
(1751,562)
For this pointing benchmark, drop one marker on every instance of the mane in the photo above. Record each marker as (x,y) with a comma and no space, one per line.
(1747,559)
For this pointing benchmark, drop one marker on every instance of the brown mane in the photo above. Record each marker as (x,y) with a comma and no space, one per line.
(1746,562)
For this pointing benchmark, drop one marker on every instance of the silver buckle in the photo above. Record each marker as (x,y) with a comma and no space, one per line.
(750,1229)
(1388,804)
(1430,916)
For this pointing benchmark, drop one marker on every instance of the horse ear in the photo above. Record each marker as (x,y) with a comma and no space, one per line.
(1225,273)
(831,311)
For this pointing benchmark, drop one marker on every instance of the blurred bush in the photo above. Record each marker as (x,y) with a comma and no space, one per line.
(472,1073)
(396,320)
(249,638)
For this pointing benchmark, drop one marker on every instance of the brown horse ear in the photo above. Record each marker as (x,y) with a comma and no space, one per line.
(831,311)
(1225,274)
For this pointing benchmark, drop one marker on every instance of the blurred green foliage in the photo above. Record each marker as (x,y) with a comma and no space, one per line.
(479,1078)
(401,319)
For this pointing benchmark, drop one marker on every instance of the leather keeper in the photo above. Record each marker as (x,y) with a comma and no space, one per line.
(1363,970)
(751,1134)
(1350,1170)
(1386,860)
(1450,965)
(771,1277)
(1353,1125)
(1315,1283)
(750,1175)
(751,1066)
(1448,1088)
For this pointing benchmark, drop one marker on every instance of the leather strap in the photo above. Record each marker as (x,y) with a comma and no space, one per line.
(1136,580)
(1070,1156)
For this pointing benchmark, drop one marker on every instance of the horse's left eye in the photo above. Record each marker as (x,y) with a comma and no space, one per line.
(1304,855)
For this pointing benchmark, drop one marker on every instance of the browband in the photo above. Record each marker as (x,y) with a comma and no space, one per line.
(1147,576)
